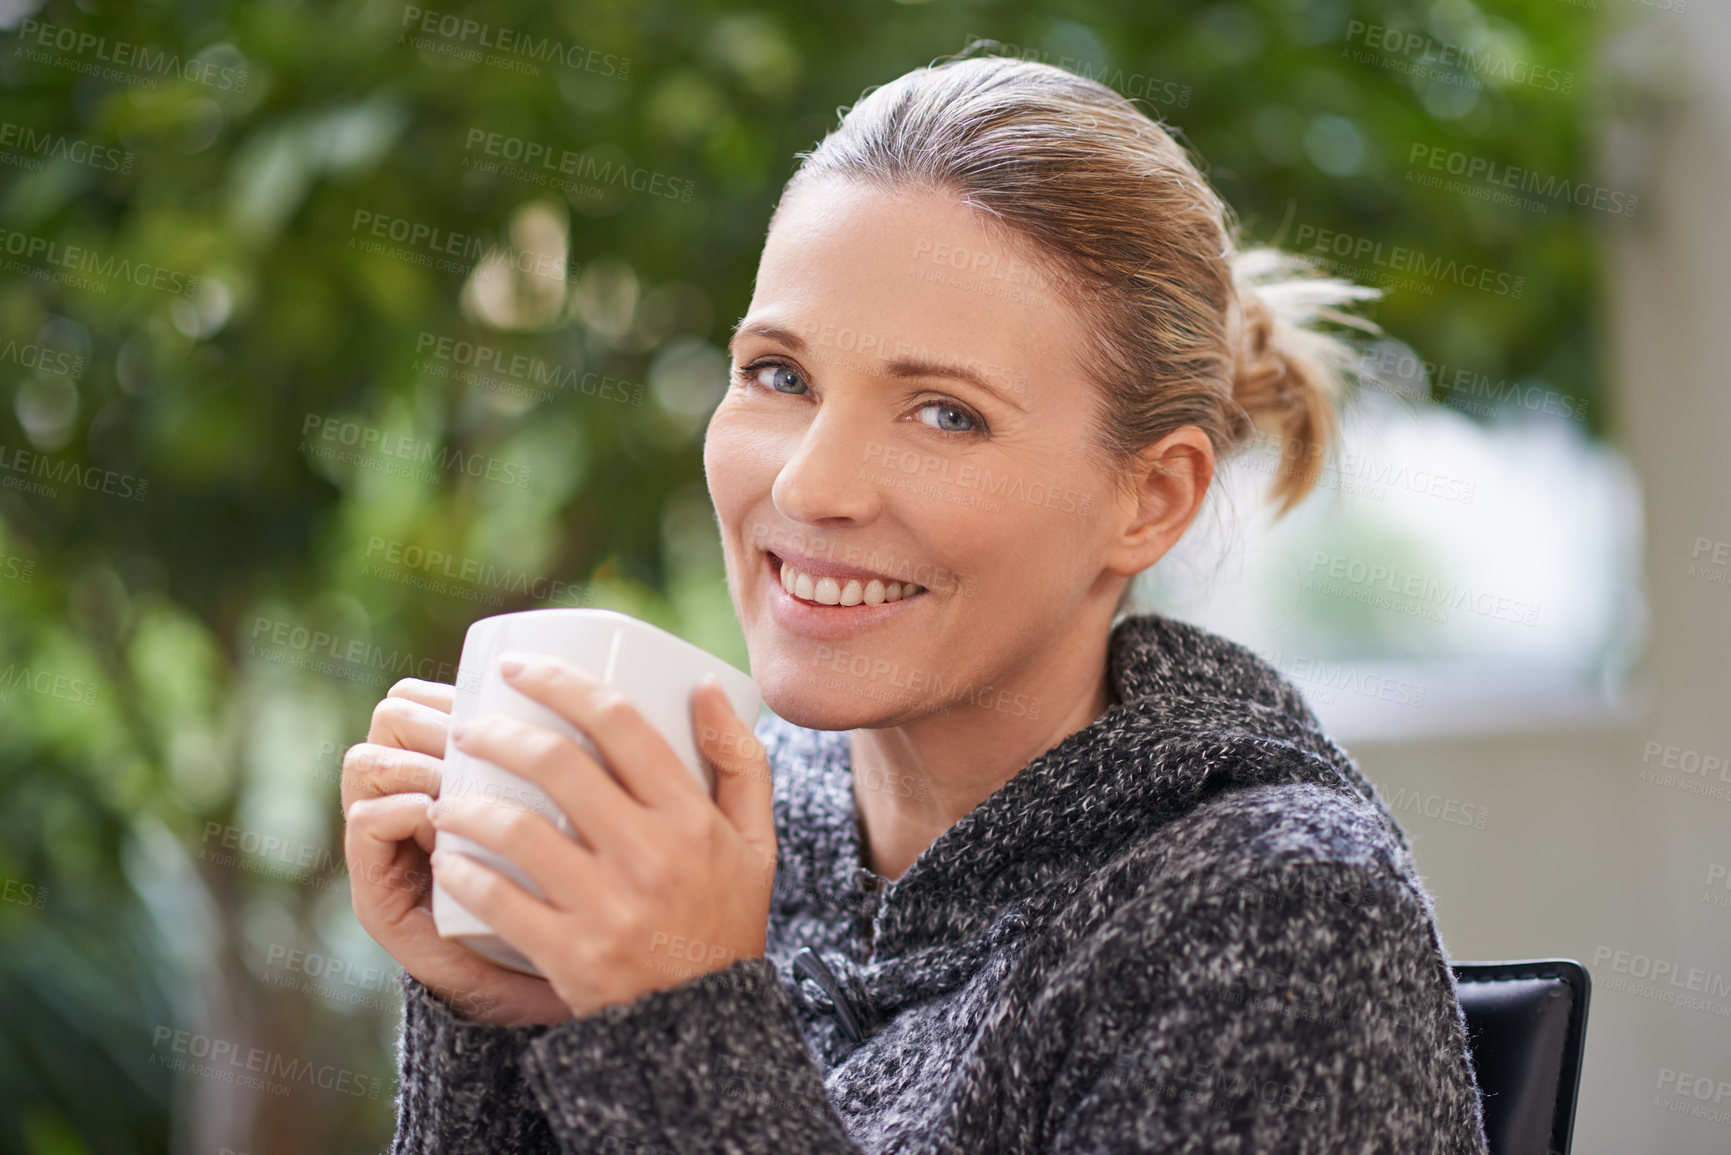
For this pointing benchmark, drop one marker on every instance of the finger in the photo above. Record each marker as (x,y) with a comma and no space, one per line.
(409,725)
(372,771)
(518,917)
(744,791)
(633,750)
(373,851)
(564,871)
(441,696)
(595,805)
(387,877)
(381,823)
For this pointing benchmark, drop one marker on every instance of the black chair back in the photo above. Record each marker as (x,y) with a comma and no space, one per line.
(1526,1025)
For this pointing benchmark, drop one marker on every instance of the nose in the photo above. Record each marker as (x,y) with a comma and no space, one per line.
(823,482)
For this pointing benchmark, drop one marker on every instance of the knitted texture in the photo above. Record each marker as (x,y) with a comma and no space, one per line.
(1191,926)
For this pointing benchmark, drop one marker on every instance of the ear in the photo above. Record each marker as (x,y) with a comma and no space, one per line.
(1171,478)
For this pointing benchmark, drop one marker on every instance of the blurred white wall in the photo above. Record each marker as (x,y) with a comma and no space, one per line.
(1580,856)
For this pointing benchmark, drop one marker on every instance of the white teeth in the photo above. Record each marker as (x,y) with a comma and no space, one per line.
(830,591)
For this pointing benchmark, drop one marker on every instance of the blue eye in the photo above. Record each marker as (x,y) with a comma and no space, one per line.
(781,378)
(948,418)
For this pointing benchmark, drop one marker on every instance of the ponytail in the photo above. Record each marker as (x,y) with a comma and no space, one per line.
(1289,376)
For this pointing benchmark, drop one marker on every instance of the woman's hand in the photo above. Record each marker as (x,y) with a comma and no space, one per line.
(666,885)
(389,781)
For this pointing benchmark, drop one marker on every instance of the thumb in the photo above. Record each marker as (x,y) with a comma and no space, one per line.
(744,791)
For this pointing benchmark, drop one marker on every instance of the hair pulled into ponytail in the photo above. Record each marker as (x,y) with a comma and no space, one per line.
(1183,327)
(1288,376)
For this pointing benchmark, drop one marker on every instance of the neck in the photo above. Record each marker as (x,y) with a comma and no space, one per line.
(912,782)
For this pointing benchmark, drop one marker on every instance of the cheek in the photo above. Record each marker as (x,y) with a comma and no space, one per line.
(1027,556)
(739,463)
(721,460)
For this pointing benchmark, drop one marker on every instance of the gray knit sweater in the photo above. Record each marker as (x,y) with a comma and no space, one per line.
(1190,926)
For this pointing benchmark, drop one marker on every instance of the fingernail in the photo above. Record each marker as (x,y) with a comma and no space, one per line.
(510,667)
(459,730)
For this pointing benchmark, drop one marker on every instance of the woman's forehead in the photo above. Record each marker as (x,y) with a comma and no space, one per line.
(849,264)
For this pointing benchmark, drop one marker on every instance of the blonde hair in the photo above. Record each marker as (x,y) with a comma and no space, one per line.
(1189,330)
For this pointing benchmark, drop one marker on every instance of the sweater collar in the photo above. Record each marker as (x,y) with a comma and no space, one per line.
(1195,714)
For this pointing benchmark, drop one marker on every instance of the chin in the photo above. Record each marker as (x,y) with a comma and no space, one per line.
(806,699)
(797,701)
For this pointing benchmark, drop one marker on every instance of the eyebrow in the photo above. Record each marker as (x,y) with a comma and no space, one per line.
(899,368)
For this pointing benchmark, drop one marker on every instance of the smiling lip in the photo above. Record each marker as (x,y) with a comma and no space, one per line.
(815,619)
(825,583)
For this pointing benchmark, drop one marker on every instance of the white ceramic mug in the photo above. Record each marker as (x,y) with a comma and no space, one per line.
(654,669)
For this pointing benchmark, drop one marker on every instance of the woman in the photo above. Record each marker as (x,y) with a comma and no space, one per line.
(1026,880)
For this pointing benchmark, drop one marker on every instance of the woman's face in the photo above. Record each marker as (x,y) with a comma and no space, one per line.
(907,406)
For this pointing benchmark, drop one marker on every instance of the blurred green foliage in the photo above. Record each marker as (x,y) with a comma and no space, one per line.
(223,166)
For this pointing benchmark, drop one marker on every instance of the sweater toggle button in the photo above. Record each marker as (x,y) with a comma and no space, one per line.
(807,964)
